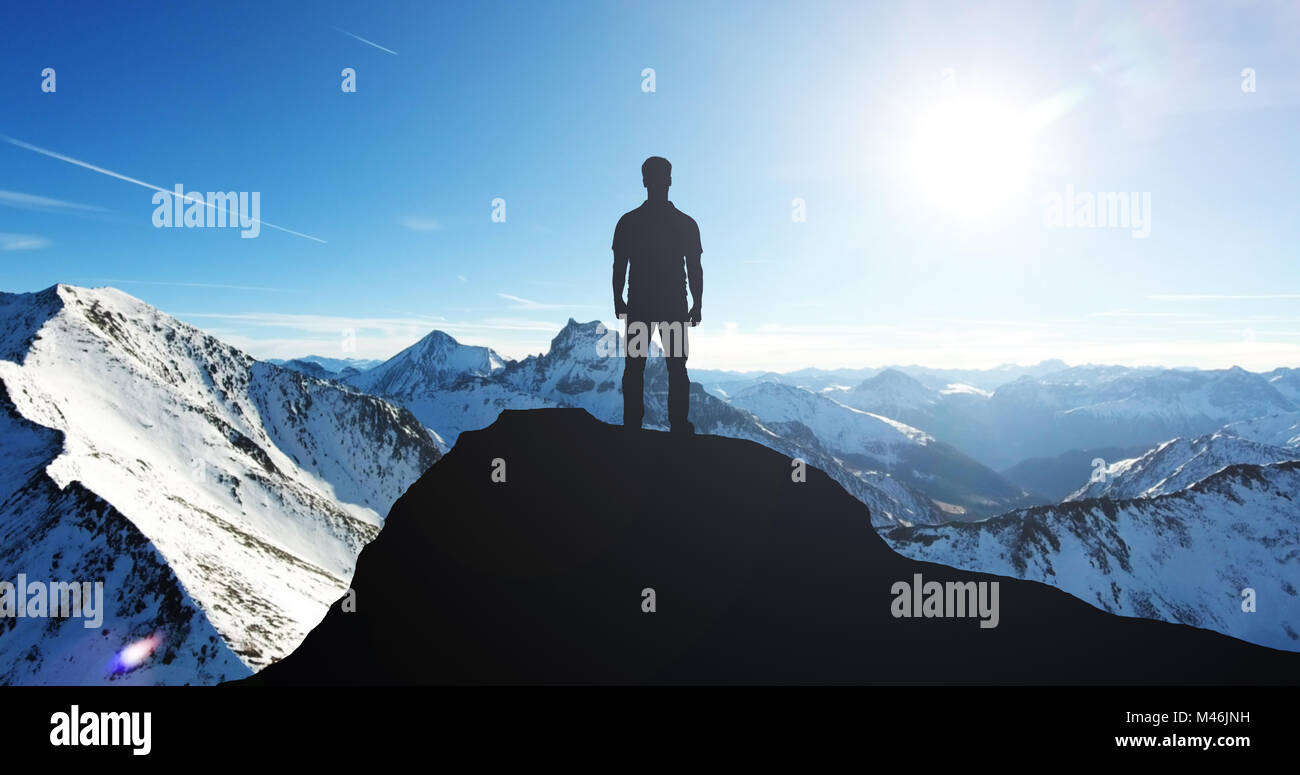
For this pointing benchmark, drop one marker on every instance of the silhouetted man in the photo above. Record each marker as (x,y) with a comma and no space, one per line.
(662,246)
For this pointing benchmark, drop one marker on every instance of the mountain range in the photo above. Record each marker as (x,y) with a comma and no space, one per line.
(1187,556)
(225,499)
(327,368)
(905,475)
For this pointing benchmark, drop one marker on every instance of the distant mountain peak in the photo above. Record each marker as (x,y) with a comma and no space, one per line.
(435,362)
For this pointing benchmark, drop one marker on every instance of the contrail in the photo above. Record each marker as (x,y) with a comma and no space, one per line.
(114,281)
(120,176)
(367,42)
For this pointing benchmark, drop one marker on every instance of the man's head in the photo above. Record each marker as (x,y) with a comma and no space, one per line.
(657,175)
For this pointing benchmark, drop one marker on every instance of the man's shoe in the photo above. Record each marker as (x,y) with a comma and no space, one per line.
(684,427)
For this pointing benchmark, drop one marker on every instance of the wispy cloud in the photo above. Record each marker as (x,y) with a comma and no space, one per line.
(420,223)
(367,42)
(223,286)
(22,242)
(24,201)
(1119,313)
(522,303)
(120,176)
(322,324)
(1223,297)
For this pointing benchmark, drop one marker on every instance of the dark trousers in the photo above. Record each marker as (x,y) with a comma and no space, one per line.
(673,338)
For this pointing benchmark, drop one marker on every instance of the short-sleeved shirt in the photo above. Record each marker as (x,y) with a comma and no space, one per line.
(655,238)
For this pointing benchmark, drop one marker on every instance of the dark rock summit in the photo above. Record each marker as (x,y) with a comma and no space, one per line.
(757,578)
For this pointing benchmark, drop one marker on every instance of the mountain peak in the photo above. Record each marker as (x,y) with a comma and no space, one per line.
(435,362)
(576,337)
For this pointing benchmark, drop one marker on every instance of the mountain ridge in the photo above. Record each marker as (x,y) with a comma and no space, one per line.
(253,485)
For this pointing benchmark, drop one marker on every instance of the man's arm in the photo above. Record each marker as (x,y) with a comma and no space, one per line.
(695,277)
(620,266)
(620,277)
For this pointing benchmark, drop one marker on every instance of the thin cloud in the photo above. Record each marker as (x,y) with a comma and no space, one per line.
(367,42)
(120,176)
(419,223)
(1223,297)
(223,286)
(320,324)
(24,201)
(522,303)
(22,242)
(1126,314)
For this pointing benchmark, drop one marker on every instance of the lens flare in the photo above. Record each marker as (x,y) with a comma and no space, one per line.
(136,653)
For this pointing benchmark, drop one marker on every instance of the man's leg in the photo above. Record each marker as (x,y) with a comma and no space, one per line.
(674,338)
(637,346)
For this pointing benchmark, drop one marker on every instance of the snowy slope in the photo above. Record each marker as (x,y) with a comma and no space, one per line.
(1180,463)
(70,534)
(1181,557)
(1287,382)
(1282,429)
(841,427)
(866,441)
(254,486)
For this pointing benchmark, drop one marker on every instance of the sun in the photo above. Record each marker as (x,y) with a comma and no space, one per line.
(969,156)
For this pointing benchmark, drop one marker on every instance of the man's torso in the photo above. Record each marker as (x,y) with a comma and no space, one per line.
(656,238)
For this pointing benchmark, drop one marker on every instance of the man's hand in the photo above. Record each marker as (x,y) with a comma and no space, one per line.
(694,315)
(620,307)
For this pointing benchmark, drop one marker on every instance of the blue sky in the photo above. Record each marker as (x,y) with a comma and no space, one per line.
(925,140)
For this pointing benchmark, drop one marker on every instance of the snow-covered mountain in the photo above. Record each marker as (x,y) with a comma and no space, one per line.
(584,368)
(841,427)
(327,368)
(1177,464)
(1286,382)
(222,500)
(436,361)
(818,380)
(986,380)
(1054,478)
(861,440)
(891,393)
(1185,556)
(1281,429)
(1083,407)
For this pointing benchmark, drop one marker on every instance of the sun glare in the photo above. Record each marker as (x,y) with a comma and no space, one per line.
(970,157)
